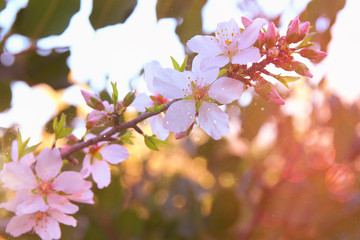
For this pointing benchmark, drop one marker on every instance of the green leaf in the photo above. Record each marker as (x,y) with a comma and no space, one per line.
(222,71)
(150,143)
(158,141)
(60,128)
(115,94)
(42,18)
(183,65)
(110,12)
(31,149)
(155,108)
(175,64)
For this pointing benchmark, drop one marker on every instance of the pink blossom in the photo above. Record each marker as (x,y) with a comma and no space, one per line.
(268,91)
(198,91)
(27,159)
(92,100)
(97,159)
(45,224)
(43,189)
(229,44)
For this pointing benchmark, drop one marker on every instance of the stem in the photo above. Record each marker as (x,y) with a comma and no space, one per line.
(257,66)
(115,129)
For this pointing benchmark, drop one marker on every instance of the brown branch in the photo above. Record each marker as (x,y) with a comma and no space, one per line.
(116,129)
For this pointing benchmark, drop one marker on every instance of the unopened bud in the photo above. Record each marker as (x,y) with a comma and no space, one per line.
(96,118)
(301,69)
(304,30)
(261,40)
(312,53)
(293,32)
(271,35)
(92,100)
(273,52)
(128,99)
(268,91)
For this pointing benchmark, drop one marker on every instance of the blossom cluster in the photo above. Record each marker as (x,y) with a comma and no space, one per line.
(225,65)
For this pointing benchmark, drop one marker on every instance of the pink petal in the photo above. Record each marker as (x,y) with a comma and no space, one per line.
(213,120)
(61,203)
(204,77)
(225,90)
(85,195)
(48,163)
(180,116)
(86,167)
(204,63)
(14,150)
(62,217)
(68,182)
(141,102)
(114,153)
(19,225)
(248,55)
(12,204)
(47,228)
(17,176)
(170,83)
(101,173)
(204,45)
(32,204)
(157,127)
(249,36)
(28,159)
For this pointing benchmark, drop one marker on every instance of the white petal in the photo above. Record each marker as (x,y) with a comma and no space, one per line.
(32,204)
(114,153)
(225,90)
(48,163)
(180,116)
(47,228)
(17,176)
(141,102)
(68,182)
(249,36)
(61,203)
(20,197)
(28,159)
(204,45)
(14,150)
(170,83)
(101,173)
(151,69)
(245,56)
(157,127)
(19,225)
(214,62)
(204,77)
(62,217)
(213,120)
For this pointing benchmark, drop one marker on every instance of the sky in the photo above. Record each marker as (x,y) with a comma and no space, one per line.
(120,51)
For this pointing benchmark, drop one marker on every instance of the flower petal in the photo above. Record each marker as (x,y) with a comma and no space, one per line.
(203,77)
(213,120)
(85,195)
(19,225)
(62,217)
(180,116)
(245,56)
(48,163)
(150,70)
(251,33)
(17,176)
(204,45)
(12,204)
(141,102)
(47,228)
(32,204)
(114,153)
(101,173)
(169,83)
(225,90)
(157,127)
(86,167)
(61,203)
(68,182)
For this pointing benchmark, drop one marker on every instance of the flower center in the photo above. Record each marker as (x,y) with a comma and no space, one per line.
(196,91)
(45,188)
(94,149)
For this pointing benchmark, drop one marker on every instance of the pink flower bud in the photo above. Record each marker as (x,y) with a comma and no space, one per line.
(304,30)
(92,100)
(246,21)
(268,91)
(293,32)
(301,69)
(312,53)
(261,40)
(273,52)
(271,35)
(96,118)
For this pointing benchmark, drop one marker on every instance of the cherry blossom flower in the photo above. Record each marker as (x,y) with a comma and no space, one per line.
(97,159)
(27,159)
(143,101)
(45,224)
(229,44)
(198,90)
(43,189)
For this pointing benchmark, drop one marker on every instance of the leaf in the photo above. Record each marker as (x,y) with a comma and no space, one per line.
(150,143)
(110,12)
(60,128)
(183,65)
(158,141)
(175,64)
(5,96)
(42,18)
(222,71)
(31,149)
(115,94)
(70,114)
